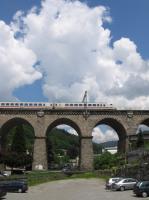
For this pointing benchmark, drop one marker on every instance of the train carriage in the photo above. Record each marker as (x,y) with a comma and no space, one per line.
(48,105)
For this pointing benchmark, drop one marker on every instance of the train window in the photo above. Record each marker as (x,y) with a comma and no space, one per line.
(94,104)
(35,104)
(89,104)
(39,104)
(12,104)
(66,104)
(7,104)
(101,105)
(25,104)
(21,104)
(2,104)
(80,104)
(16,104)
(97,104)
(44,104)
(75,104)
(71,104)
(30,104)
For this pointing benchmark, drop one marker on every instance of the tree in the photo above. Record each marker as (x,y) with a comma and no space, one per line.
(73,152)
(18,141)
(140,139)
(18,157)
(16,160)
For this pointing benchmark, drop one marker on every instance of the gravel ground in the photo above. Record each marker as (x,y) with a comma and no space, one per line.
(74,189)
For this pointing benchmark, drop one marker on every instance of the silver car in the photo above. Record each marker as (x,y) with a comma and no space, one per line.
(110,181)
(124,184)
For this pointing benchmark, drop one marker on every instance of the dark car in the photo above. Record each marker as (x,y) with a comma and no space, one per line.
(141,188)
(2,192)
(67,170)
(14,186)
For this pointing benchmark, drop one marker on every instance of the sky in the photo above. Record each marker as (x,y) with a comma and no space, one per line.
(54,50)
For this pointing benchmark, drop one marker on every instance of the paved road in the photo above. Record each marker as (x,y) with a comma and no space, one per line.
(75,189)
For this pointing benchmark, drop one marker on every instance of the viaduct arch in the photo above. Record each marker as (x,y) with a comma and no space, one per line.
(119,129)
(124,122)
(8,125)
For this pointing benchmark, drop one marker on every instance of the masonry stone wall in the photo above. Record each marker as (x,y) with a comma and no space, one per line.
(124,122)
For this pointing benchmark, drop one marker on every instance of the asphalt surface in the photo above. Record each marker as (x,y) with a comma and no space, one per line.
(74,189)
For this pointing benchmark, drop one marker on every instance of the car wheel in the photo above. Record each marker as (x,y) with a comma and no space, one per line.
(122,188)
(20,190)
(144,194)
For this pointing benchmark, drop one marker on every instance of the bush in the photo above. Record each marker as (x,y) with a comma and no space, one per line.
(107,161)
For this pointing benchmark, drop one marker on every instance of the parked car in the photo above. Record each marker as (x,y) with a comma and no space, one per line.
(2,192)
(124,184)
(14,186)
(3,174)
(67,170)
(141,188)
(110,181)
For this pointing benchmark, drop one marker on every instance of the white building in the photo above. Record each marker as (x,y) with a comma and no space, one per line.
(112,150)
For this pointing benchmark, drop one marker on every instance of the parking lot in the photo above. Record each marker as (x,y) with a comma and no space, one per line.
(74,189)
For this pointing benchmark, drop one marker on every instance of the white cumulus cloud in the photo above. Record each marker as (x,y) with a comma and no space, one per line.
(100,136)
(75,53)
(16,63)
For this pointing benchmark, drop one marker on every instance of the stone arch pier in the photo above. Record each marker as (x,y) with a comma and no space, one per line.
(124,122)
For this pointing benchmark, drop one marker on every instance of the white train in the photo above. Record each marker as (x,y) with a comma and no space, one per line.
(47,105)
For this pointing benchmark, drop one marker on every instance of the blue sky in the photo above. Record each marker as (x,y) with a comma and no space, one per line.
(108,58)
(129,19)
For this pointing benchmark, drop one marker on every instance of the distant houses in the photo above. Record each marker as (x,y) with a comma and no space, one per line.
(112,150)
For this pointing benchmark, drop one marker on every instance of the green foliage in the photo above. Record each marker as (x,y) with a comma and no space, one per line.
(73,152)
(16,160)
(61,139)
(61,160)
(107,161)
(38,177)
(146,145)
(18,141)
(140,139)
(62,146)
(97,148)
(28,138)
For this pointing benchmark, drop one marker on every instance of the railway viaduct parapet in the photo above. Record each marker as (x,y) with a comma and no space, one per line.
(124,122)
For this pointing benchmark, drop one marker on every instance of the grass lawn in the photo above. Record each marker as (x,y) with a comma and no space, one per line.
(37,177)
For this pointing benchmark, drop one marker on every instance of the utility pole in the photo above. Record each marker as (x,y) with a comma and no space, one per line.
(85,104)
(85,98)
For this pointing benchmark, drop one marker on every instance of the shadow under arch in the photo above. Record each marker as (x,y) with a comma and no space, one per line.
(68,122)
(11,123)
(119,129)
(145,122)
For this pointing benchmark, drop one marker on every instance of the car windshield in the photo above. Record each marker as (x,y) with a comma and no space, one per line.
(144,183)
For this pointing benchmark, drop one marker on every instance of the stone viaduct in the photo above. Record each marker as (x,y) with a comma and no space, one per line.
(124,122)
